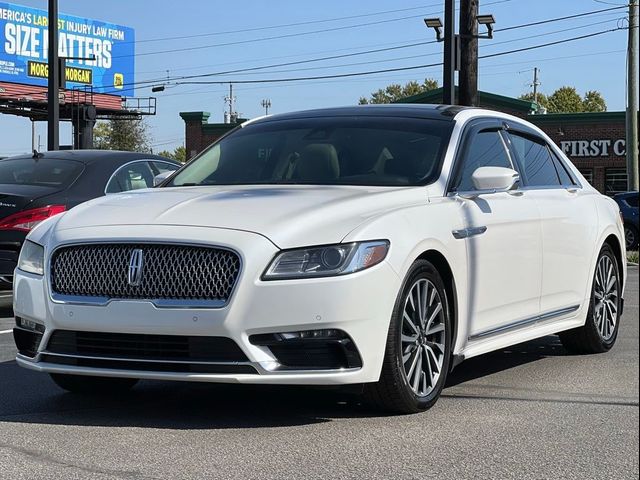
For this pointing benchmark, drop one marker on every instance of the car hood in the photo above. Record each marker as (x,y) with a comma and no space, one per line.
(289,215)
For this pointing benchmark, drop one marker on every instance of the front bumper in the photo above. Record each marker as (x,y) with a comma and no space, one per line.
(359,304)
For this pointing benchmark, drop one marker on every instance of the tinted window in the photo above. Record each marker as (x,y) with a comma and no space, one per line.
(161,167)
(486,150)
(131,177)
(51,172)
(565,178)
(536,160)
(328,151)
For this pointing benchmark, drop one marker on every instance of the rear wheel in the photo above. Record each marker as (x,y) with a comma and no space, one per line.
(90,385)
(600,330)
(417,353)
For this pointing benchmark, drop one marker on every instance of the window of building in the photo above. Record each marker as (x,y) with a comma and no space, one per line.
(615,180)
(587,173)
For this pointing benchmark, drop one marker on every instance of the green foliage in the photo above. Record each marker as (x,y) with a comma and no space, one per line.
(395,91)
(568,100)
(127,135)
(179,154)
(565,100)
(594,102)
(541,100)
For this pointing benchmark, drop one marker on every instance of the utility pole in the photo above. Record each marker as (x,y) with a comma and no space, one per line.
(231,116)
(53,102)
(632,98)
(535,85)
(468,79)
(449,75)
(266,104)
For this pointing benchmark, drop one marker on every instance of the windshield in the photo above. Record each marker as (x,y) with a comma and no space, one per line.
(46,172)
(324,151)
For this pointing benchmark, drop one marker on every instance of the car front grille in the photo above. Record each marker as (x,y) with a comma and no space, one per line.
(168,272)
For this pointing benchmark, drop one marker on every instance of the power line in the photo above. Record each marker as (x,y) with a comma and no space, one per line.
(285,25)
(333,57)
(398,69)
(558,19)
(288,35)
(298,62)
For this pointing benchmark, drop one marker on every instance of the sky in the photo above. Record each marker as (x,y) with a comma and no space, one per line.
(596,63)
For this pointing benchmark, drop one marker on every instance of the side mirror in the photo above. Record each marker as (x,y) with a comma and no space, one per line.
(161,177)
(492,180)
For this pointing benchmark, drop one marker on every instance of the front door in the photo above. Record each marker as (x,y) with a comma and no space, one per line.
(503,239)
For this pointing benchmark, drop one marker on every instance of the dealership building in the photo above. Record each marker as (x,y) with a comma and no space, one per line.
(595,142)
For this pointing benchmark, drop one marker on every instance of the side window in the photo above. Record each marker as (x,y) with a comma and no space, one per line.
(565,178)
(536,161)
(486,150)
(131,177)
(161,167)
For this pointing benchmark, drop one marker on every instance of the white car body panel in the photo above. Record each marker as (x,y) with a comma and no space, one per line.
(536,256)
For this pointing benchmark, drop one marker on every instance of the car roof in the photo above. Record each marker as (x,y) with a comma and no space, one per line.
(424,111)
(91,156)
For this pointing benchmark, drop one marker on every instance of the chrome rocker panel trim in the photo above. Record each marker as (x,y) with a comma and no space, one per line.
(523,323)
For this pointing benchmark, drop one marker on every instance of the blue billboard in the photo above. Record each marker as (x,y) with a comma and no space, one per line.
(24,50)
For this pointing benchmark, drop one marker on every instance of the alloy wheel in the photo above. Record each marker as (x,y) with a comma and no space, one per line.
(423,337)
(606,297)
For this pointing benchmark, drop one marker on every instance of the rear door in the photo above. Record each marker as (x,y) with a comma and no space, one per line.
(568,218)
(502,235)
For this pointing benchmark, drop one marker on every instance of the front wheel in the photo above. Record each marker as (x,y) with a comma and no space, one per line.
(631,236)
(417,353)
(92,385)
(600,330)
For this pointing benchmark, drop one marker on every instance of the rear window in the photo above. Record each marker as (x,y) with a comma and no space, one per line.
(46,172)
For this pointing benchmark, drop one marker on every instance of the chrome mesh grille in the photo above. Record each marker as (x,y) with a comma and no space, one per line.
(173,272)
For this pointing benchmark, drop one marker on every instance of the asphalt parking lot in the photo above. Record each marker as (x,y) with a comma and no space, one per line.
(532,411)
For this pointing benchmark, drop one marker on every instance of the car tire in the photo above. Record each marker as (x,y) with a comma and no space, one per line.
(600,330)
(92,385)
(631,236)
(414,351)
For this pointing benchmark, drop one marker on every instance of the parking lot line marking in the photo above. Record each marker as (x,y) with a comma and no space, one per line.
(5,331)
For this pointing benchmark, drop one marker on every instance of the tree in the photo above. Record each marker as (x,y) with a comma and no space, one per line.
(395,91)
(128,135)
(541,100)
(594,102)
(568,100)
(565,100)
(179,154)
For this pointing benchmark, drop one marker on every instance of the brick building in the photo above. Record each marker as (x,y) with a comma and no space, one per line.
(595,142)
(199,133)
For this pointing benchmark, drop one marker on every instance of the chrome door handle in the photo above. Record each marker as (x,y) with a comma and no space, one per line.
(468,232)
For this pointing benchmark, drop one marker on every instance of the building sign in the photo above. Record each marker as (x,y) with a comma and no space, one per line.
(24,50)
(594,148)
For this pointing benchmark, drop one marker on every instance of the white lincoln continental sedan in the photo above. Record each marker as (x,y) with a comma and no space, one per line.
(376,245)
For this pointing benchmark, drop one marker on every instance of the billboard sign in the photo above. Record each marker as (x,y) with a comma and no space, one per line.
(24,50)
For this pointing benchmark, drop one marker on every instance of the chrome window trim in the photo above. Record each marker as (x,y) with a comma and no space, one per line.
(157,302)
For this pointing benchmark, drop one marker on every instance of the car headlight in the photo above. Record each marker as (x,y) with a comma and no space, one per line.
(326,261)
(31,258)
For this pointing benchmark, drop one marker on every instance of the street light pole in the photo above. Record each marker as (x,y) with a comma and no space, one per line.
(53,102)
(448,80)
(632,99)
